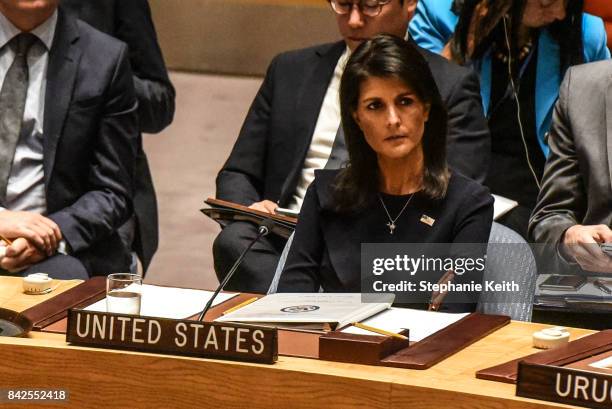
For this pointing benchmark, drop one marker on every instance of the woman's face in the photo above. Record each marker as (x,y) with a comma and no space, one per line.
(391,117)
(540,13)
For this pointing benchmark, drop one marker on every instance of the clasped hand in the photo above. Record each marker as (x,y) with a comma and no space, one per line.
(34,236)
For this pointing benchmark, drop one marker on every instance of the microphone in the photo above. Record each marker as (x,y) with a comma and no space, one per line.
(265,227)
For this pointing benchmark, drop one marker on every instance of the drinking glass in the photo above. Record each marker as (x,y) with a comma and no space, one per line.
(123,293)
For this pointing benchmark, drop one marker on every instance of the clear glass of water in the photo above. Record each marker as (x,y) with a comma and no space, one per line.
(123,293)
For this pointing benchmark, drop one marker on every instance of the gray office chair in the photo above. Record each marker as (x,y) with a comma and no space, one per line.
(509,258)
(280,266)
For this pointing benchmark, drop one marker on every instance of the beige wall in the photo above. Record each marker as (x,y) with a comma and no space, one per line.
(237,36)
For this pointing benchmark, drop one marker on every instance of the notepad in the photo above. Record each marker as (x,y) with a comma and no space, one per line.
(420,323)
(170,302)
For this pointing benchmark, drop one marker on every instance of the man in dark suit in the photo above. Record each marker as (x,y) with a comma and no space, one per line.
(574,207)
(131,22)
(291,129)
(68,141)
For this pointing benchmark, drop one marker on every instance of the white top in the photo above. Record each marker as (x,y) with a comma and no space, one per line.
(324,134)
(26,186)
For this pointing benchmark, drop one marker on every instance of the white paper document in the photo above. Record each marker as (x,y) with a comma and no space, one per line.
(170,302)
(502,205)
(420,323)
(605,363)
(330,308)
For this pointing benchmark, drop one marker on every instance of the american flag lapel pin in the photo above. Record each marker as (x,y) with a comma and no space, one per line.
(427,220)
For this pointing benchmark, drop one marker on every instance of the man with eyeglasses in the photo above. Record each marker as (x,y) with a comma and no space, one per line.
(293,128)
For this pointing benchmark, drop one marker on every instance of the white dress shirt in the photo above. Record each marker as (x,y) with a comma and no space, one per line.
(26,187)
(324,134)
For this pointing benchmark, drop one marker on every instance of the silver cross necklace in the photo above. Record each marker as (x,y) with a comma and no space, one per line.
(391,224)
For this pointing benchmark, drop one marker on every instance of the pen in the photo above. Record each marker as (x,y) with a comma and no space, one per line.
(242,304)
(437,297)
(6,240)
(602,287)
(378,330)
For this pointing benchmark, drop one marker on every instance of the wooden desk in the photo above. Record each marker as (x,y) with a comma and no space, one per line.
(13,298)
(103,378)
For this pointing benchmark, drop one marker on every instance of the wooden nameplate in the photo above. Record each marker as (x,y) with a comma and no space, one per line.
(221,340)
(574,351)
(579,383)
(220,210)
(421,355)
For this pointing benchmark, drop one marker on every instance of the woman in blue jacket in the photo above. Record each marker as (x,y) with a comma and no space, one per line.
(521,49)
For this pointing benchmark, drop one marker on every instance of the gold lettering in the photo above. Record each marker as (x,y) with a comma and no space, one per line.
(86,332)
(136,330)
(124,321)
(155,324)
(179,329)
(211,338)
(581,384)
(567,385)
(99,326)
(258,339)
(240,339)
(604,391)
(227,330)
(111,329)
(196,327)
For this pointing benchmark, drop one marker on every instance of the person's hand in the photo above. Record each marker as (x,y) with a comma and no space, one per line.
(38,229)
(582,244)
(266,206)
(20,255)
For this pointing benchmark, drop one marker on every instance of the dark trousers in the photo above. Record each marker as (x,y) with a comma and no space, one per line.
(60,267)
(257,269)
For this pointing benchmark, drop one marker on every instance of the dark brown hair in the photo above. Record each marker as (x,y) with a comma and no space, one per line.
(388,56)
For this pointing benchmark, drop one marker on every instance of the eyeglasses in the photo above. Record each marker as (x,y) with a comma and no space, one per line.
(370,8)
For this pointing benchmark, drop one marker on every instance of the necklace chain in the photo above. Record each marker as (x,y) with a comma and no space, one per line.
(391,224)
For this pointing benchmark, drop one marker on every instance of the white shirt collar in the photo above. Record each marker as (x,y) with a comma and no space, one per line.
(344,58)
(45,32)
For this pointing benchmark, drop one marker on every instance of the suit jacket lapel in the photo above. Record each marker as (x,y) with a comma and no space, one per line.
(61,73)
(308,105)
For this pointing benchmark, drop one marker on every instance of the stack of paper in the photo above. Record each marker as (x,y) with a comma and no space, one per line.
(170,302)
(420,323)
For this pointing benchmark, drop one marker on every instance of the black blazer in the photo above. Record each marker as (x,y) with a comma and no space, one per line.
(326,249)
(91,140)
(130,21)
(268,156)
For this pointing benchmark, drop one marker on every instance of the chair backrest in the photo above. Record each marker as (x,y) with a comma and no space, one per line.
(509,258)
(280,266)
(603,9)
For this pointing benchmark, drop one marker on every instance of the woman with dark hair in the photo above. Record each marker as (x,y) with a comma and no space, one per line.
(521,48)
(396,187)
